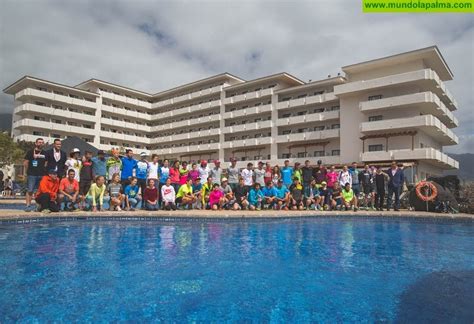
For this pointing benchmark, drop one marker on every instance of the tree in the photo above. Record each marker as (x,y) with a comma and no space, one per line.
(10,152)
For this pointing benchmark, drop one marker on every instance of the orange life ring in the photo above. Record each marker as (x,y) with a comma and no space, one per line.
(430,188)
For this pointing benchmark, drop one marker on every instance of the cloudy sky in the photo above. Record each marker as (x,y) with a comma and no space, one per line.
(155,45)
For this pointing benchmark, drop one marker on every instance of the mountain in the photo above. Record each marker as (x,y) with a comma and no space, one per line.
(5,122)
(466,166)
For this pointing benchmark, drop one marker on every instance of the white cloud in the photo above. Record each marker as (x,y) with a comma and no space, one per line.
(69,42)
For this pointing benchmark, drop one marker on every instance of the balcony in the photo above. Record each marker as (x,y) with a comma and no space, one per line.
(248,111)
(125,137)
(32,108)
(326,160)
(124,99)
(125,112)
(196,149)
(248,96)
(247,127)
(318,117)
(51,127)
(189,136)
(310,100)
(248,142)
(185,97)
(427,123)
(186,110)
(426,78)
(35,93)
(187,123)
(122,124)
(308,136)
(431,155)
(427,102)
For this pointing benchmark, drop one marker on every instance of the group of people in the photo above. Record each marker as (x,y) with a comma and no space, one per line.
(87,182)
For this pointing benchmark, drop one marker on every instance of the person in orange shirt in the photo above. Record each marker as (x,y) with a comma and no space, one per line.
(69,192)
(47,192)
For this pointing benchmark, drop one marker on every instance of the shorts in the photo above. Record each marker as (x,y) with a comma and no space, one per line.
(33,183)
(84,187)
(356,189)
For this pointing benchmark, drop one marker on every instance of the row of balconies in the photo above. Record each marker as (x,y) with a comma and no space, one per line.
(27,123)
(189,122)
(35,93)
(427,78)
(52,112)
(248,96)
(408,154)
(427,102)
(428,123)
(309,100)
(190,96)
(248,111)
(318,117)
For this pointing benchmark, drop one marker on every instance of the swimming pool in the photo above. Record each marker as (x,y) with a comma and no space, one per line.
(290,270)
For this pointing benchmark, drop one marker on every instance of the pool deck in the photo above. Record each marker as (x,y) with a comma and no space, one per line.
(15,214)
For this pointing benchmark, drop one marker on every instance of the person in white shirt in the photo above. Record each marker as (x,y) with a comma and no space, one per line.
(153,167)
(74,163)
(204,170)
(345,177)
(168,196)
(247,175)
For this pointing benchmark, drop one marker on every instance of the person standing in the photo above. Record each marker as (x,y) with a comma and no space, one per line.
(129,168)
(287,174)
(99,164)
(56,159)
(142,173)
(366,180)
(153,168)
(216,172)
(87,175)
(259,173)
(344,177)
(355,179)
(380,181)
(247,174)
(396,179)
(307,171)
(233,174)
(74,162)
(193,173)
(47,193)
(174,176)
(113,165)
(34,170)
(183,173)
(203,170)
(331,178)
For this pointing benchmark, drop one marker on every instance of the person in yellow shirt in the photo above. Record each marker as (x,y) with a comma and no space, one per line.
(348,198)
(205,191)
(185,196)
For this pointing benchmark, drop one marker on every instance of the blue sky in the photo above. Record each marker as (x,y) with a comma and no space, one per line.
(156,45)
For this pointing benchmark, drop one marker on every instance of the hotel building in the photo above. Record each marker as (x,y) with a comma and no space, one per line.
(392,108)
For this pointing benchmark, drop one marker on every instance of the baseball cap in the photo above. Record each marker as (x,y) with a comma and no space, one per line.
(217,161)
(143,154)
(203,162)
(52,171)
(260,162)
(324,182)
(76,150)
(224,180)
(198,178)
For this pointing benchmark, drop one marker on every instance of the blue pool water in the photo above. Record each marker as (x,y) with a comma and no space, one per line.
(303,270)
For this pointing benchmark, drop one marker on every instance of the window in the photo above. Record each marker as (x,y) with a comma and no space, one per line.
(319,92)
(57,107)
(302,96)
(87,126)
(57,121)
(285,156)
(375,147)
(375,118)
(39,118)
(302,154)
(333,108)
(318,110)
(376,97)
(318,153)
(257,157)
(318,128)
(39,103)
(285,115)
(301,113)
(286,99)
(286,132)
(56,135)
(39,133)
(74,96)
(335,152)
(302,130)
(335,126)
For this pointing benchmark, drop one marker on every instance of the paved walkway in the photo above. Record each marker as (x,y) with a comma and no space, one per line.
(15,214)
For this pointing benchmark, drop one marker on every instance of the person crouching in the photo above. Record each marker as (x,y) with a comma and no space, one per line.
(47,193)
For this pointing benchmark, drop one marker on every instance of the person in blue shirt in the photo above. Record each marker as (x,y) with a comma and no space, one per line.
(255,197)
(287,174)
(282,195)
(142,172)
(269,194)
(99,165)
(396,179)
(129,167)
(132,196)
(197,188)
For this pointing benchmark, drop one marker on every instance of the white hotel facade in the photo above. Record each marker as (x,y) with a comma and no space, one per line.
(392,108)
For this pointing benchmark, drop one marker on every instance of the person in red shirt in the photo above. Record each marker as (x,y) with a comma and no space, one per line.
(47,192)
(69,192)
(268,172)
(175,176)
